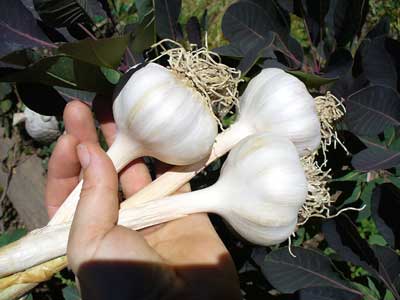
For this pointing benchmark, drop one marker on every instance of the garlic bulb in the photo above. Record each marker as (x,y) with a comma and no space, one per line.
(160,115)
(42,129)
(260,191)
(278,102)
(275,102)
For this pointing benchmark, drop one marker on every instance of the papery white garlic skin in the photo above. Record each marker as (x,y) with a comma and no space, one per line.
(43,129)
(286,107)
(266,185)
(182,128)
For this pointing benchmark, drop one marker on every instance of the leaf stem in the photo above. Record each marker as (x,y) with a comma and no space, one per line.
(87,31)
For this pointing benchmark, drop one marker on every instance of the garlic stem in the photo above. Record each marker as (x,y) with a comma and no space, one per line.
(175,178)
(51,241)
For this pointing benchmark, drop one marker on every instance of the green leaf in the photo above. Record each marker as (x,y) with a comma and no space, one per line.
(71,293)
(355,195)
(229,120)
(352,176)
(5,106)
(395,145)
(7,238)
(5,89)
(112,76)
(373,288)
(299,239)
(389,296)
(63,71)
(144,8)
(369,295)
(376,239)
(143,34)
(103,52)
(390,135)
(395,180)
(366,198)
(312,80)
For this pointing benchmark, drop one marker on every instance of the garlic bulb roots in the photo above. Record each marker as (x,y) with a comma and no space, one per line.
(330,109)
(203,70)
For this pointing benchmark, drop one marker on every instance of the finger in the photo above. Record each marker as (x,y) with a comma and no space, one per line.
(64,165)
(63,173)
(135,175)
(98,204)
(97,210)
(79,122)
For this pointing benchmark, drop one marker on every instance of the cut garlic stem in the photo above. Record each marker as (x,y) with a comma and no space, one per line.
(51,241)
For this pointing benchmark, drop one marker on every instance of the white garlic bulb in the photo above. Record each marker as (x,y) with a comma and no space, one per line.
(166,116)
(265,187)
(278,102)
(42,129)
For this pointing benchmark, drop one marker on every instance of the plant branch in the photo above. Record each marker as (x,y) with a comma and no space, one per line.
(87,31)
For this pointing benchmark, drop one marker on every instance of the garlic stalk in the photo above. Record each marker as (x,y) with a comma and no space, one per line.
(275,102)
(259,193)
(157,114)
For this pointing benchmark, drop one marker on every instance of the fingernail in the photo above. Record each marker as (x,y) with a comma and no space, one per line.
(83,155)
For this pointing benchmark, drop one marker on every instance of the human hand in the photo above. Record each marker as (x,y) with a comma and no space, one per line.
(182,259)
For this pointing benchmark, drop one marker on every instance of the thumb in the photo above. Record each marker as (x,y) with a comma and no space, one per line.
(97,210)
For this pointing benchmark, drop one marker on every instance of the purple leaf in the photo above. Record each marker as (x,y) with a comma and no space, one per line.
(372,109)
(19,29)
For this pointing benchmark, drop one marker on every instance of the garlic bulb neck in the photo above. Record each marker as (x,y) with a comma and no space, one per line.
(123,150)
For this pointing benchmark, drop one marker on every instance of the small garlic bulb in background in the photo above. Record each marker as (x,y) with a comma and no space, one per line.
(288,109)
(42,129)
